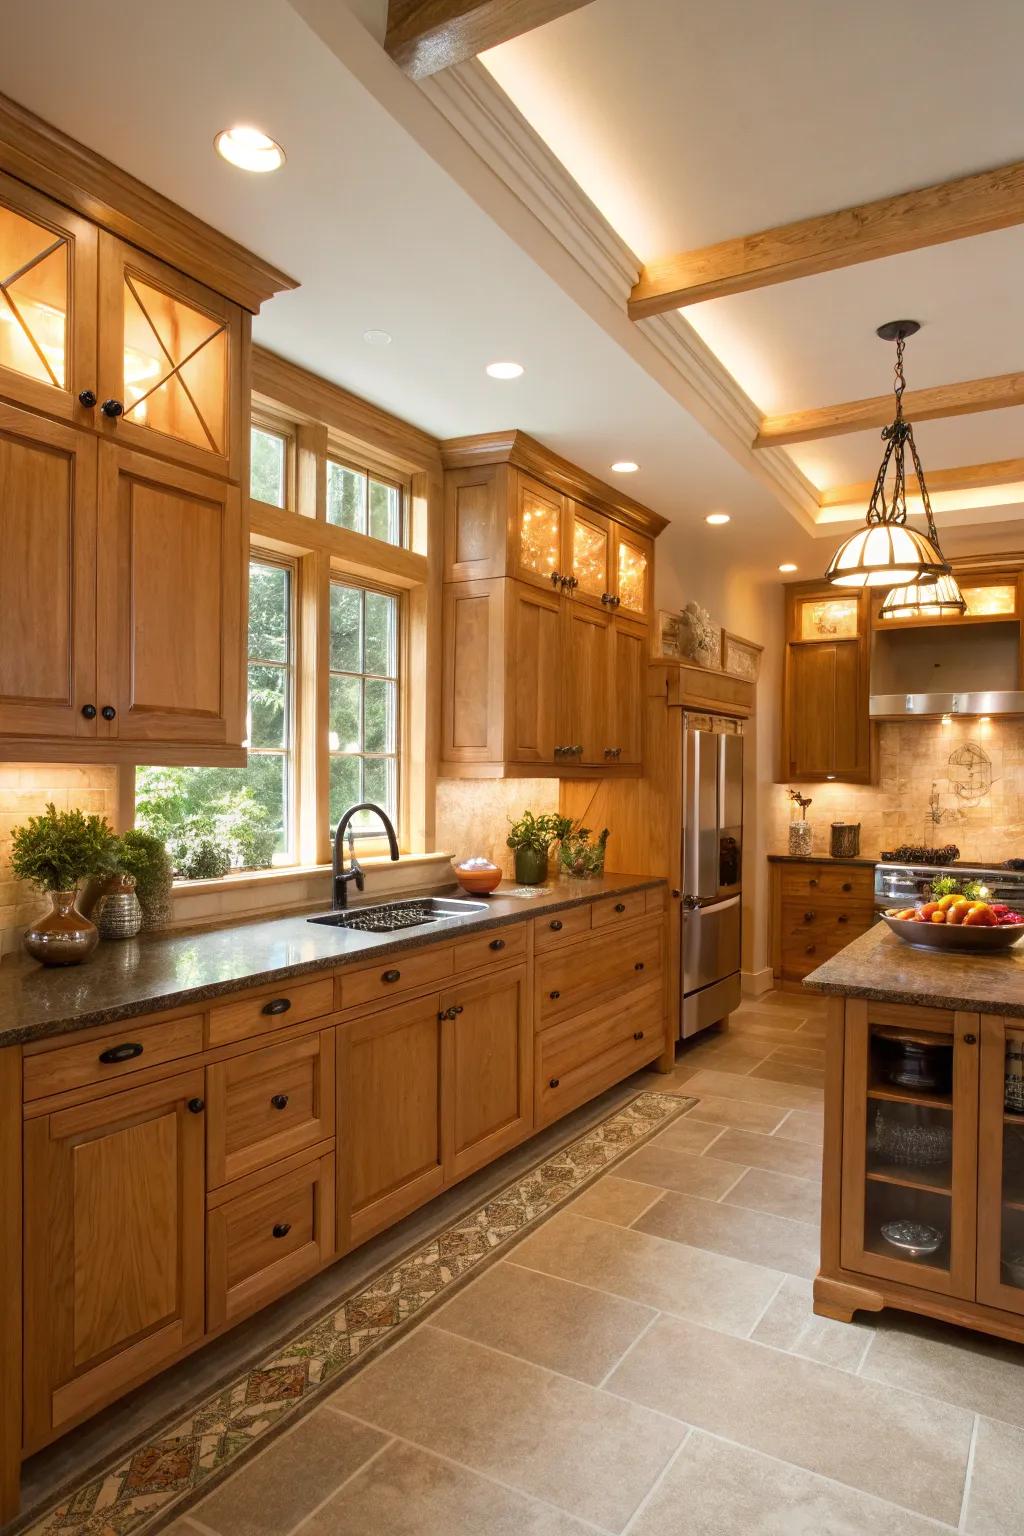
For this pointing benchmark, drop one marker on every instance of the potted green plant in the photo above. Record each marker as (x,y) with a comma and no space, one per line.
(579,858)
(531,838)
(144,855)
(55,851)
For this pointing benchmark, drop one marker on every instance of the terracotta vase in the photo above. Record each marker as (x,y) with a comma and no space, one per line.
(63,936)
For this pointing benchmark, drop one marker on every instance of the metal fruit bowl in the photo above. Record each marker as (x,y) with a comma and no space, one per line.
(954,935)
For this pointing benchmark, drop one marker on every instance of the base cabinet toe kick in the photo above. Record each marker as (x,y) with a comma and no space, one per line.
(163,1178)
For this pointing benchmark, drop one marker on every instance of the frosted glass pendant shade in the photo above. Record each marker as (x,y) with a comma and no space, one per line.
(886,555)
(937,600)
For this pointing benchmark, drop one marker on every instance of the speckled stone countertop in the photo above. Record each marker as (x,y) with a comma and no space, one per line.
(817,858)
(132,976)
(880,967)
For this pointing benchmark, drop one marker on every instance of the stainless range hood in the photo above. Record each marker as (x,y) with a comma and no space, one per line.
(927,671)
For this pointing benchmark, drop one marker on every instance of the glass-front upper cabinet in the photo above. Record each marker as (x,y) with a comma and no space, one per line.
(47,304)
(169,360)
(1001,1165)
(590,556)
(633,573)
(538,534)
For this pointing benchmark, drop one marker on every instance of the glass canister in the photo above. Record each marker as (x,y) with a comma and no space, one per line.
(845,840)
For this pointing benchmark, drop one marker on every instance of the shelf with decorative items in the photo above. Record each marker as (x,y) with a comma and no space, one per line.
(547,600)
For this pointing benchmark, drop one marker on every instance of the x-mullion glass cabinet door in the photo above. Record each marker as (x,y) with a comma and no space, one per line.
(910,1146)
(1001,1164)
(47,305)
(170,362)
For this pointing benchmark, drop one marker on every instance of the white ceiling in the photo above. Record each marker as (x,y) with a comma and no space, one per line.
(689,130)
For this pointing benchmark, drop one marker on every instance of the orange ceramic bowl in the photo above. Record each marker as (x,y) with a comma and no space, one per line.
(478,879)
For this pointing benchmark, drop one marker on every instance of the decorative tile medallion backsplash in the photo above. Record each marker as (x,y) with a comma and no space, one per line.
(960,783)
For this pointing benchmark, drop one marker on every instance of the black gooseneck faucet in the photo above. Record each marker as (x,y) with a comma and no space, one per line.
(355,871)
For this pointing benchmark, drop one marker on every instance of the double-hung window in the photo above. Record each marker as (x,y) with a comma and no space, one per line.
(363,730)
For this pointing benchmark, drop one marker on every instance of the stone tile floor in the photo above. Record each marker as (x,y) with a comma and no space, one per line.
(647,1362)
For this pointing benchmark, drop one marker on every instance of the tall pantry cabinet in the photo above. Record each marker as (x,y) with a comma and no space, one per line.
(123,453)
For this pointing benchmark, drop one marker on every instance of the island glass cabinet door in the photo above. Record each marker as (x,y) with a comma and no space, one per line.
(910,1146)
(1001,1164)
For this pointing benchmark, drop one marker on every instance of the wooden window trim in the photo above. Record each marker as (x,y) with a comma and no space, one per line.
(294,664)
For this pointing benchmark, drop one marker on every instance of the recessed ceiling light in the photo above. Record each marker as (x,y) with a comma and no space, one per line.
(717,518)
(377,338)
(249,149)
(504,370)
(625,467)
(787,567)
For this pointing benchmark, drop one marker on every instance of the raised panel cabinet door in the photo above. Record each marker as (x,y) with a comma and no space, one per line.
(539,523)
(475,522)
(47,578)
(170,362)
(47,305)
(114,1212)
(634,572)
(488,1052)
(1001,1165)
(389,1117)
(586,683)
(590,556)
(473,639)
(171,599)
(534,725)
(628,659)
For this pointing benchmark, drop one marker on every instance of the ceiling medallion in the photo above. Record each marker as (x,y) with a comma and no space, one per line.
(885,552)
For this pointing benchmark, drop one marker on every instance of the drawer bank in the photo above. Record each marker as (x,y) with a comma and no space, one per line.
(168,1172)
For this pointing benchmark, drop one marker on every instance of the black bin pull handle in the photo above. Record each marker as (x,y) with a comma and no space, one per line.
(620,906)
(391,975)
(553,1082)
(556,925)
(497,943)
(126,1052)
(638,1034)
(554,996)
(277,1005)
(279,1100)
(281,1229)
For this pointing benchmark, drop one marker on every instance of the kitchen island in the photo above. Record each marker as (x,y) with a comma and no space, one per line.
(923,1178)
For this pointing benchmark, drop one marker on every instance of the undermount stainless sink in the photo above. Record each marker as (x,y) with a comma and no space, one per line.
(390,916)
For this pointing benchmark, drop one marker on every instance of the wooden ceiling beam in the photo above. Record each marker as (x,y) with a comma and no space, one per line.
(950,210)
(424,36)
(968,478)
(994,394)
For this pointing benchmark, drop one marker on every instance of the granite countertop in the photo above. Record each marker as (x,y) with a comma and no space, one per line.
(818,858)
(128,977)
(880,967)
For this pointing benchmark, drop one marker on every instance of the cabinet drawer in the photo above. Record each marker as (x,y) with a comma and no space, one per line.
(618,909)
(840,922)
(826,881)
(549,932)
(260,1015)
(266,1105)
(264,1242)
(109,1056)
(581,1057)
(491,948)
(596,970)
(394,973)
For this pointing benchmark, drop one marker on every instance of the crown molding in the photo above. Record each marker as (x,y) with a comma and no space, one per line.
(473,103)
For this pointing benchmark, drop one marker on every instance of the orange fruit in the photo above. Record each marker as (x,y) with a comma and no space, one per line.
(938,917)
(956,913)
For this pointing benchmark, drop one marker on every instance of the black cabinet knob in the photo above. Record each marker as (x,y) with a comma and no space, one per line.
(620,906)
(391,975)
(554,995)
(457,1009)
(112,409)
(842,918)
(638,966)
(556,579)
(87,397)
(108,712)
(281,1229)
(89,711)
(553,1082)
(847,886)
(195,1106)
(280,1101)
(126,1052)
(497,943)
(638,1034)
(808,917)
(810,949)
(970,1039)
(277,1005)
(555,925)
(812,883)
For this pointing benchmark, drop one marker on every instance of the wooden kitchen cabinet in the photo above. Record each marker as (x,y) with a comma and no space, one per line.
(539,534)
(170,587)
(634,572)
(588,677)
(827,732)
(816,910)
(488,1066)
(114,1213)
(628,668)
(390,1115)
(534,724)
(1001,1166)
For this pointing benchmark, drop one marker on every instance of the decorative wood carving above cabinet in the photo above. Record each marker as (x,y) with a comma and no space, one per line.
(549,578)
(123,445)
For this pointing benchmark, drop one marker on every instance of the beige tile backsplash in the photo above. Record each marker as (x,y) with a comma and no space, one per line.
(918,780)
(25,790)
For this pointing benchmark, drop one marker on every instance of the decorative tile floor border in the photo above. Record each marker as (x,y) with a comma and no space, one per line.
(149,1485)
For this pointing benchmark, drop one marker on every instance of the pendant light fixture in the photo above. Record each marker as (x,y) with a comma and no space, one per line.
(885,552)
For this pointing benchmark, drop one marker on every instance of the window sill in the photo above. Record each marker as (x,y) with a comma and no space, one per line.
(257,879)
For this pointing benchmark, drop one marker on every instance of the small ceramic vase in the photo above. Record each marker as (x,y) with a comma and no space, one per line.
(118,913)
(531,866)
(63,936)
(478,876)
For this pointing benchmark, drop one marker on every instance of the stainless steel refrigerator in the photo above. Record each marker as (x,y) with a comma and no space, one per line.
(712,859)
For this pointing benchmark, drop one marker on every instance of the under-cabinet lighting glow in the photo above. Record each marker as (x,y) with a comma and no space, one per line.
(249,149)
